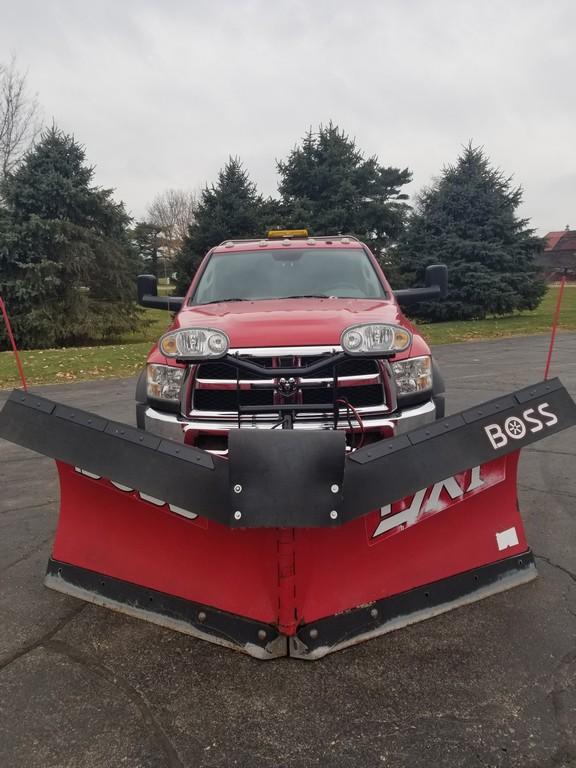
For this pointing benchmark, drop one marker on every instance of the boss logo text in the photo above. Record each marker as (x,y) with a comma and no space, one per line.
(517,427)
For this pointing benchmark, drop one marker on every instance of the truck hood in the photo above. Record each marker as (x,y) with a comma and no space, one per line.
(288,322)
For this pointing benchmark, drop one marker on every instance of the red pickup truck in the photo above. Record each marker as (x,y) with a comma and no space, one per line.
(289,332)
(295,520)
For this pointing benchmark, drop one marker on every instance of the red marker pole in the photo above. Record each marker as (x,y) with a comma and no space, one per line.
(13,343)
(555,325)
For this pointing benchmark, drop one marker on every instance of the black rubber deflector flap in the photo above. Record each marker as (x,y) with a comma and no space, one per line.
(286,478)
(299,478)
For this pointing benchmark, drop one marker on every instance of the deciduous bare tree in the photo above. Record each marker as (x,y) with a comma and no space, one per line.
(172,212)
(20,121)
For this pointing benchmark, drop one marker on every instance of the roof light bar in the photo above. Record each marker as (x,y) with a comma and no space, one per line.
(283,233)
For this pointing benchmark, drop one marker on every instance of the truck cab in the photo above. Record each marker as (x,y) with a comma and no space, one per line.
(290,332)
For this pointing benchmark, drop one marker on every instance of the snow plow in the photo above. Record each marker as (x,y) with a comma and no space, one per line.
(293,486)
(290,545)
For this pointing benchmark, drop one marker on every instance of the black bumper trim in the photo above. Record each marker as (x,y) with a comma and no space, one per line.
(372,619)
(236,631)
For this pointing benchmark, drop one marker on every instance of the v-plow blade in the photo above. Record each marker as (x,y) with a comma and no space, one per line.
(290,546)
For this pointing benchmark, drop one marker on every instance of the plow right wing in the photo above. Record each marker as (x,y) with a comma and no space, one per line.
(391,469)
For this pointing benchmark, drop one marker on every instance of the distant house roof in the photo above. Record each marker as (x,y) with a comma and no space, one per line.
(559,252)
(552,239)
(566,243)
(560,242)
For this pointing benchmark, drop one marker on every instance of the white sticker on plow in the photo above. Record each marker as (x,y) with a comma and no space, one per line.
(507,538)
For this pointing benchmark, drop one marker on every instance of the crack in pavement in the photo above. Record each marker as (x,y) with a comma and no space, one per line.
(27,554)
(565,752)
(20,459)
(549,451)
(556,565)
(468,388)
(473,713)
(563,713)
(548,493)
(133,694)
(28,506)
(31,646)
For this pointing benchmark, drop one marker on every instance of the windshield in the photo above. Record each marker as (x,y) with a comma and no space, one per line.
(288,273)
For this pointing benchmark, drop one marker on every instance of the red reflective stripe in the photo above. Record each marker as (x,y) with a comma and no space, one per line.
(555,326)
(13,343)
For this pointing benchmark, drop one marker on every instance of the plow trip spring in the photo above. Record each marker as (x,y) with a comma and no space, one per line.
(291,545)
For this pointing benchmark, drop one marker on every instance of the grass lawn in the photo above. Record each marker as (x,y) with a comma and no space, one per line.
(52,366)
(521,324)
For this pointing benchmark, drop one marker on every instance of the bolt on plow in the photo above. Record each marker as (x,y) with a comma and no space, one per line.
(292,544)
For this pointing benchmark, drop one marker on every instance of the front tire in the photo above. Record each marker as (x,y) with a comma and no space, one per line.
(141,401)
(438,391)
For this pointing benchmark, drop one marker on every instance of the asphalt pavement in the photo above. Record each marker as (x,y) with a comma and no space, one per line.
(490,684)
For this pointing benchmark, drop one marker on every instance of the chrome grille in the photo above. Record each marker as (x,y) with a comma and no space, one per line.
(215,387)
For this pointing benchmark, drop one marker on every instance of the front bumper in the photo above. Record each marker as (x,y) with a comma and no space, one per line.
(174,427)
(305,389)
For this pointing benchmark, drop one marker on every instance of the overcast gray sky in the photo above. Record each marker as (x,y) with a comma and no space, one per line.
(160,93)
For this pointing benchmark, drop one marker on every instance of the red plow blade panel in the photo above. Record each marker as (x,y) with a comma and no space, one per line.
(460,524)
(120,534)
(231,568)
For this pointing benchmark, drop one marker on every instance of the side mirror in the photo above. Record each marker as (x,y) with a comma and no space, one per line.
(436,287)
(147,286)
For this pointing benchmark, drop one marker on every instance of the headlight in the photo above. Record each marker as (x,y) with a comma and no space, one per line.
(194,343)
(413,375)
(374,339)
(163,382)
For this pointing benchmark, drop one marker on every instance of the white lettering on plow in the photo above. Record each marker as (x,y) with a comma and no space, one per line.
(442,495)
(143,496)
(514,428)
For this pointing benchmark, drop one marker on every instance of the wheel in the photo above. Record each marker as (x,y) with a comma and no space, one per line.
(438,391)
(141,401)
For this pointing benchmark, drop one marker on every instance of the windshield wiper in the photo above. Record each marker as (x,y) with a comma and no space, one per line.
(220,301)
(273,298)
(307,296)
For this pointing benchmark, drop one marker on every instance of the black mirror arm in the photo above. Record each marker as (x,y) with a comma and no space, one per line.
(172,303)
(147,288)
(408,296)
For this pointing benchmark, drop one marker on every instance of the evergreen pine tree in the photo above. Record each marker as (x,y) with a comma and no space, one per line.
(230,209)
(67,267)
(467,220)
(329,187)
(147,241)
